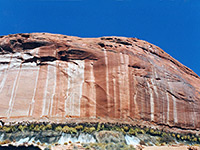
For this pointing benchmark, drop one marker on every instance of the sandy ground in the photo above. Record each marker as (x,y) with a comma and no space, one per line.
(79,147)
(171,148)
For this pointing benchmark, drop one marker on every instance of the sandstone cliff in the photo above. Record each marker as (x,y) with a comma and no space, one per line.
(114,78)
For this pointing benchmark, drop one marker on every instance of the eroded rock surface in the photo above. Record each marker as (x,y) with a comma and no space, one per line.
(114,78)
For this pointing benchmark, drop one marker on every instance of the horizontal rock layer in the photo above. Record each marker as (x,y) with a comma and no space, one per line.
(55,76)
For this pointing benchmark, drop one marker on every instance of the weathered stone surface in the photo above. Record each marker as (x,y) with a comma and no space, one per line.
(115,78)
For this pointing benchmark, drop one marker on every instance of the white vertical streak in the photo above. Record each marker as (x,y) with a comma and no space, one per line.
(34,92)
(119,81)
(75,73)
(135,102)
(1,74)
(115,93)
(3,80)
(167,95)
(67,95)
(135,97)
(92,74)
(81,73)
(71,69)
(175,109)
(5,77)
(93,89)
(68,92)
(107,80)
(155,74)
(54,87)
(13,94)
(45,92)
(154,88)
(51,87)
(121,73)
(151,102)
(126,84)
(174,106)
(72,103)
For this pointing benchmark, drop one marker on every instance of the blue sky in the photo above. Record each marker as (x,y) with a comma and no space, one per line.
(173,25)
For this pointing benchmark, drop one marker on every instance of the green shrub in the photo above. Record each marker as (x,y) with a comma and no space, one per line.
(92,129)
(31,127)
(73,130)
(36,128)
(141,131)
(116,128)
(182,138)
(173,135)
(86,129)
(98,127)
(151,131)
(79,127)
(132,132)
(89,129)
(9,129)
(157,132)
(122,129)
(102,127)
(146,129)
(178,136)
(188,138)
(136,129)
(185,137)
(69,130)
(125,128)
(58,128)
(65,129)
(42,127)
(163,134)
(194,139)
(48,127)
(22,128)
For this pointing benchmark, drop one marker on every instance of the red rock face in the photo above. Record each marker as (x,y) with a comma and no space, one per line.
(116,78)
